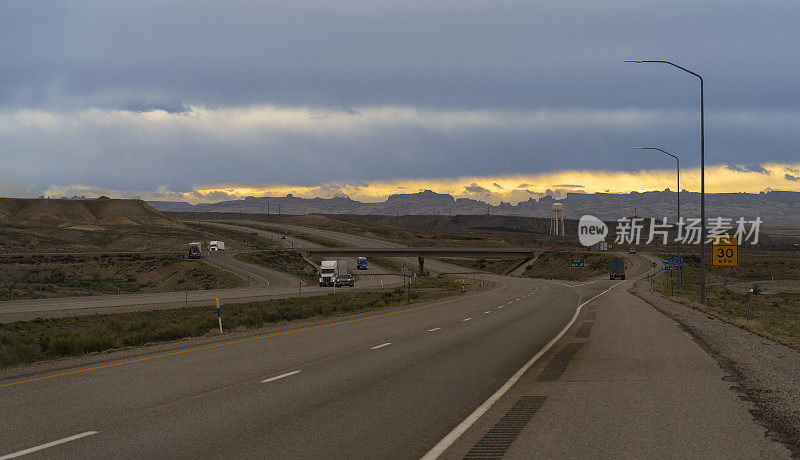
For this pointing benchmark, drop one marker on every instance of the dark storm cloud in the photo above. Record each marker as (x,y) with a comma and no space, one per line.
(558,60)
(475,188)
(752,168)
(792,178)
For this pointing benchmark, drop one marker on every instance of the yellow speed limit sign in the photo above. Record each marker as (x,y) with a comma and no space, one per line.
(725,251)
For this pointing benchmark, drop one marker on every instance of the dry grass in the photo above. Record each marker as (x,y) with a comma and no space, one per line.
(775,314)
(42,276)
(499,266)
(556,265)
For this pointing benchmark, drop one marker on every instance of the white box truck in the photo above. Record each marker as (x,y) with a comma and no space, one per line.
(216,246)
(329,270)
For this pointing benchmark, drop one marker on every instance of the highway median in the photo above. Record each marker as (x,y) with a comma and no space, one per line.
(27,342)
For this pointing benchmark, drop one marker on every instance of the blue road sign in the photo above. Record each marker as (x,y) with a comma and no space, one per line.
(673,263)
(677,263)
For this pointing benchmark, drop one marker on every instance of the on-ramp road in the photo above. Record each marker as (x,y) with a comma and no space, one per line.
(262,282)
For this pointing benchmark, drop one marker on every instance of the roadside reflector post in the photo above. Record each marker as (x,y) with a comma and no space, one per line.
(219,316)
(749,302)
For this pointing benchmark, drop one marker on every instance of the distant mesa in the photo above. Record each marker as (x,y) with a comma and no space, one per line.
(774,207)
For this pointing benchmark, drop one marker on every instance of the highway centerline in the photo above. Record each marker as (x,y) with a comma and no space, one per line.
(278,377)
(48,445)
(381,345)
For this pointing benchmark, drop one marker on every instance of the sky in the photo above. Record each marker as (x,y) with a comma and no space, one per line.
(500,101)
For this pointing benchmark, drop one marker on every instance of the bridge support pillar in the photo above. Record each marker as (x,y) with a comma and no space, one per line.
(421,266)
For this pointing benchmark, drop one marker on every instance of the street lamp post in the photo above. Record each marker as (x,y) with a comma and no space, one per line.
(702,179)
(678,172)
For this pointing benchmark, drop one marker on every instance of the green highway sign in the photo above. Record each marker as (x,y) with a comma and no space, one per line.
(576,263)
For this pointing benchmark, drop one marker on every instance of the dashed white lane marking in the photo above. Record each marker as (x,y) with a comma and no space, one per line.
(501,306)
(49,444)
(277,377)
(434,329)
(466,319)
(381,345)
(486,312)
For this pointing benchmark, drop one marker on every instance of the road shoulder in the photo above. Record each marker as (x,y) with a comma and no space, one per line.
(624,381)
(761,370)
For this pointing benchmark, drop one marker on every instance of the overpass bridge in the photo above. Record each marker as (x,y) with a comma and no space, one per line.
(422,253)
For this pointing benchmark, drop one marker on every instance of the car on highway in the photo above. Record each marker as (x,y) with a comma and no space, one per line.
(283,237)
(632,251)
(345,280)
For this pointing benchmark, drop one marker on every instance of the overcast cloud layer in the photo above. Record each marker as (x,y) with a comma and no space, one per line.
(145,96)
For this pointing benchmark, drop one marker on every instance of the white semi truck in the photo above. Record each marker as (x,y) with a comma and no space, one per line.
(329,270)
(216,246)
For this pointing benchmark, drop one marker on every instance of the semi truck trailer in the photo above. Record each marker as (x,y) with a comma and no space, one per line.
(329,270)
(216,246)
(617,268)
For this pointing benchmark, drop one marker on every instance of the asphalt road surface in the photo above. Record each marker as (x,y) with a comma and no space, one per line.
(387,384)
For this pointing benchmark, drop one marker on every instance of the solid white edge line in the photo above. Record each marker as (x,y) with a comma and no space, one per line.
(45,446)
(462,427)
(381,345)
(277,377)
(434,329)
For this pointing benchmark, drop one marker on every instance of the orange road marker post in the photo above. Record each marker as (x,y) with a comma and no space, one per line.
(219,316)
